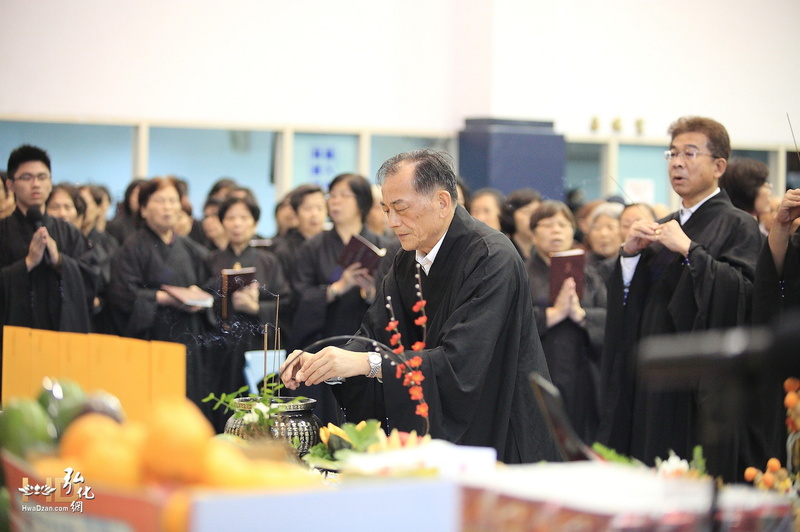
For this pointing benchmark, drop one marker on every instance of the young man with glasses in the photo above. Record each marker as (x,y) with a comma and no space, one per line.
(47,276)
(690,271)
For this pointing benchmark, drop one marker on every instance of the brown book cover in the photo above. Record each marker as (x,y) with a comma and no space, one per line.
(191,296)
(232,280)
(236,278)
(564,264)
(359,249)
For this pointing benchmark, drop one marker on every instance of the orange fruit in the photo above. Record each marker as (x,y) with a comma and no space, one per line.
(792,384)
(791,399)
(768,479)
(279,475)
(226,466)
(116,464)
(773,465)
(85,430)
(134,434)
(750,474)
(175,445)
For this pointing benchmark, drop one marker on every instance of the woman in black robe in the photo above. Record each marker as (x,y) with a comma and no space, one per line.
(250,312)
(331,300)
(571,327)
(151,258)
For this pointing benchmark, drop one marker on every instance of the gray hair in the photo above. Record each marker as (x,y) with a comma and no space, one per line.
(611,209)
(432,170)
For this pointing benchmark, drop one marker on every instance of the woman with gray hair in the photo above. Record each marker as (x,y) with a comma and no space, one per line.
(603,238)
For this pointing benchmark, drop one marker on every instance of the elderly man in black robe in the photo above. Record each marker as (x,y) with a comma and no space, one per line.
(48,273)
(481,339)
(691,271)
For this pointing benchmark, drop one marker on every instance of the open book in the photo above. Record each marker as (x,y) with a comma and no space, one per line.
(359,249)
(564,264)
(191,296)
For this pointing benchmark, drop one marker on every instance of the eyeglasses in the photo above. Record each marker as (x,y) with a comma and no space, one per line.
(25,178)
(339,195)
(688,154)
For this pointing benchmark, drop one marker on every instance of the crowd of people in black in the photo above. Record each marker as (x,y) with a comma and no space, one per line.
(729,248)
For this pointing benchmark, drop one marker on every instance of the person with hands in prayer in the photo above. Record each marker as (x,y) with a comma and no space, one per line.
(571,327)
(48,274)
(481,343)
(690,271)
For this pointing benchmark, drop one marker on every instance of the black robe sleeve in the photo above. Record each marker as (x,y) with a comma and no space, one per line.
(774,294)
(47,297)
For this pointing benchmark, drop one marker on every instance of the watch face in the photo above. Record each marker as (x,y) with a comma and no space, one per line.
(374,358)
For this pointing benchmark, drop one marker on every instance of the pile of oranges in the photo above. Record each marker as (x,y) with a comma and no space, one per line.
(175,448)
(774,478)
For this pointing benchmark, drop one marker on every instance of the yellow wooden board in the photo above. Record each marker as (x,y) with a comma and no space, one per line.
(168,375)
(16,362)
(132,376)
(136,371)
(75,361)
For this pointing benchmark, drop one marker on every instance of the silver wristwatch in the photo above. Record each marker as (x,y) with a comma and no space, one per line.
(374,360)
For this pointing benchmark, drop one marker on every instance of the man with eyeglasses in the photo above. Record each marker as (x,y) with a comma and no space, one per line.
(690,271)
(47,276)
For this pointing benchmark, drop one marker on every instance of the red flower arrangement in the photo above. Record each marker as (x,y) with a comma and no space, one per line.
(409,370)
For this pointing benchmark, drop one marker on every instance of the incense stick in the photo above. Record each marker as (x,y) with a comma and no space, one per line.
(276,365)
(627,197)
(793,138)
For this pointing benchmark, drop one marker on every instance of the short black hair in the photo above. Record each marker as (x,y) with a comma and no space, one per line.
(74,194)
(151,186)
(516,200)
(297,195)
(241,192)
(550,208)
(359,186)
(220,185)
(25,154)
(742,180)
(247,201)
(95,191)
(133,186)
